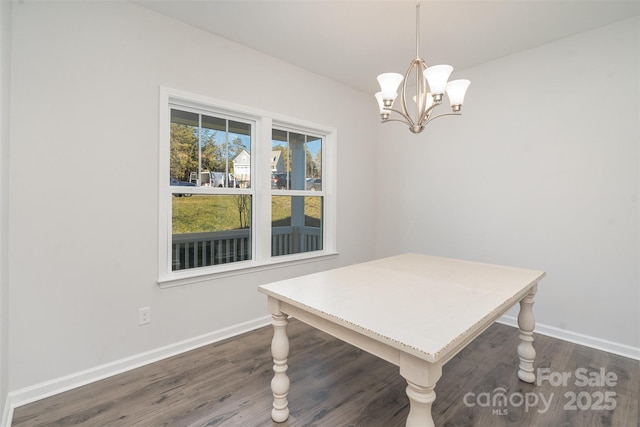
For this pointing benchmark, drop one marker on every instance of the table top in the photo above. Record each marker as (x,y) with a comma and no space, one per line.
(416,303)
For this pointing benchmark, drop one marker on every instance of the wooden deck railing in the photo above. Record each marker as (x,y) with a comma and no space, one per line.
(192,250)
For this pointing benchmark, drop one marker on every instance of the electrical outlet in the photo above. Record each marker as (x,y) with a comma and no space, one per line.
(144,316)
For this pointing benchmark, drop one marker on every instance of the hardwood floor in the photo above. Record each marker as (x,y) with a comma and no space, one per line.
(334,384)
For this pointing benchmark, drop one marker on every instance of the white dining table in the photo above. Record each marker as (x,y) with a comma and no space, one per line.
(415,311)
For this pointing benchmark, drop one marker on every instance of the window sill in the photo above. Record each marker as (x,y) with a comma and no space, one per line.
(195,276)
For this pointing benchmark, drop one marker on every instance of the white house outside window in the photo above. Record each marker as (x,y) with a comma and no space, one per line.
(240,189)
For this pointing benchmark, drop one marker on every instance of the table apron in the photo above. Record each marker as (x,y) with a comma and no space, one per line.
(480,327)
(370,345)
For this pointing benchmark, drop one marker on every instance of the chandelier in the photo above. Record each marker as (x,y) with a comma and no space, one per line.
(431,84)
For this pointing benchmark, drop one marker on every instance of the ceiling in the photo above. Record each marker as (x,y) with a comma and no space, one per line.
(352,41)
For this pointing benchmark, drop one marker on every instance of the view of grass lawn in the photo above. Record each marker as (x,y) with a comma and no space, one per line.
(206,213)
(281,211)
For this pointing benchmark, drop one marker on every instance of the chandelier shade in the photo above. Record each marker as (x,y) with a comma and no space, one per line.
(456,89)
(431,83)
(437,76)
(389,83)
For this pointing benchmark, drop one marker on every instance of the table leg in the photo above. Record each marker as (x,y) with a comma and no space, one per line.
(527,323)
(421,378)
(280,381)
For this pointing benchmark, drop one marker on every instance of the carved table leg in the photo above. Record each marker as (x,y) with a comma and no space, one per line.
(280,381)
(420,400)
(421,378)
(527,323)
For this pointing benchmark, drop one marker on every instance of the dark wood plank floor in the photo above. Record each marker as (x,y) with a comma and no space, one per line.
(334,384)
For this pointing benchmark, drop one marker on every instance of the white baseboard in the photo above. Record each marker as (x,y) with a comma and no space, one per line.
(59,385)
(577,338)
(7,415)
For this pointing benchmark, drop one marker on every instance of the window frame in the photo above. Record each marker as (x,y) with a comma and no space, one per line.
(261,192)
(287,127)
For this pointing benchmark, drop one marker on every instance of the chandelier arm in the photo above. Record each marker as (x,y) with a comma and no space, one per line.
(406,120)
(440,115)
(421,91)
(405,111)
(425,115)
(397,120)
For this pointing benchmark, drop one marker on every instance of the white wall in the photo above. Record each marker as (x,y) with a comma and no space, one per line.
(83,200)
(5,52)
(540,171)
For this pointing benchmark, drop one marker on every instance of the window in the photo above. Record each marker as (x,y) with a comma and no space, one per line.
(296,220)
(209,227)
(240,189)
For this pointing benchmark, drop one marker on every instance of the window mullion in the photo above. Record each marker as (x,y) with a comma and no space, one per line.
(262,183)
(199,149)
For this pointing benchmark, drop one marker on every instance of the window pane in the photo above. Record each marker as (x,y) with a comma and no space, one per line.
(183,145)
(210,151)
(210,229)
(239,154)
(212,156)
(296,225)
(313,148)
(296,159)
(280,165)
(314,157)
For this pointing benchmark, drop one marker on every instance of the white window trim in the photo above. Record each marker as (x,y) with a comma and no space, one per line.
(261,191)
